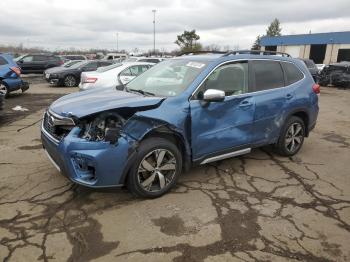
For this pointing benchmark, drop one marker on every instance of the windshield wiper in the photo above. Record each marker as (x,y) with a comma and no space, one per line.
(141,92)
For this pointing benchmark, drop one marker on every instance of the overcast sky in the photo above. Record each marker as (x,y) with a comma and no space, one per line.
(56,24)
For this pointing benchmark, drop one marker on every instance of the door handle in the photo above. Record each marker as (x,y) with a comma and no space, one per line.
(245,104)
(289,96)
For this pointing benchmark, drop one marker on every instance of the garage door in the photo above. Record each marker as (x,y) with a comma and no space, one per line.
(293,50)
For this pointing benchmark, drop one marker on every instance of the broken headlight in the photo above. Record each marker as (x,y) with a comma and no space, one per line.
(104,127)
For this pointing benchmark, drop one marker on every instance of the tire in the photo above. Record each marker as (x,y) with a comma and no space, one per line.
(150,179)
(70,81)
(4,89)
(292,137)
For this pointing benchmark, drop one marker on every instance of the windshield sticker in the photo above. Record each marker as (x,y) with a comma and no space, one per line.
(195,64)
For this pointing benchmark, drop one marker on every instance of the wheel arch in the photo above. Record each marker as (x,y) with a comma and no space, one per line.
(157,128)
(303,115)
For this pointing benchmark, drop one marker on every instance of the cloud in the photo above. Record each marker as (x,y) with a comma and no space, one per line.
(92,23)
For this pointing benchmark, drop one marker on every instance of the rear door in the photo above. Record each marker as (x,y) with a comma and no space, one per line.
(222,127)
(271,99)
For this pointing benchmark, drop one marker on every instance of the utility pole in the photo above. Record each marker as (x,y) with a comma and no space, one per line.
(154,31)
(117,42)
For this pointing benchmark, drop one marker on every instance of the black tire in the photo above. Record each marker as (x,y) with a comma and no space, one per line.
(139,173)
(4,89)
(284,145)
(70,81)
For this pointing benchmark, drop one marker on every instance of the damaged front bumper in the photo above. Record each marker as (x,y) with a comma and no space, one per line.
(88,163)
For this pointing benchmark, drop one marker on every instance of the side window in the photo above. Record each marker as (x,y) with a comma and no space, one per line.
(3,61)
(126,72)
(40,58)
(143,68)
(28,58)
(230,78)
(268,74)
(293,74)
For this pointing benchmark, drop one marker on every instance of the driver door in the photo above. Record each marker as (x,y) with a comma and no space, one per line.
(226,126)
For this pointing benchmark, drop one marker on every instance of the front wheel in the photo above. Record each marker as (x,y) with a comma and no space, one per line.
(292,137)
(158,164)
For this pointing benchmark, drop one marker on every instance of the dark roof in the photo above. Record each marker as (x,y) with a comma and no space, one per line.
(307,39)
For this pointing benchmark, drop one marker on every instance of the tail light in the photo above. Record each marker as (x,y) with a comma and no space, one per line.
(60,62)
(90,80)
(316,88)
(16,69)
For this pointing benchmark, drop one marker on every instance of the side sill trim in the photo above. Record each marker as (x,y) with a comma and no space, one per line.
(227,155)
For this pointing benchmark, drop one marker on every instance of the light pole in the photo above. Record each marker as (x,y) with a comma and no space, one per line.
(117,42)
(154,31)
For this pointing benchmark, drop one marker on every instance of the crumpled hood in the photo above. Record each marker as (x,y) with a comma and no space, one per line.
(99,99)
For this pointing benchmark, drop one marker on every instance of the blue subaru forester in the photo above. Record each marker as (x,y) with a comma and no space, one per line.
(189,110)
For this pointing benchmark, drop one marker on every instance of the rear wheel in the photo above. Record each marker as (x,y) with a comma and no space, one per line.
(70,81)
(157,166)
(4,89)
(292,137)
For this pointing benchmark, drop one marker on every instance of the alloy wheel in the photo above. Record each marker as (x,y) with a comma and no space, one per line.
(294,137)
(3,89)
(69,81)
(156,170)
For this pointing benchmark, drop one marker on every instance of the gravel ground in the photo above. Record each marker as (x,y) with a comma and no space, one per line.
(257,207)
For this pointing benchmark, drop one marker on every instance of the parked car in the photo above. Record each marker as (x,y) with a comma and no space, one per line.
(73,57)
(70,76)
(37,63)
(154,60)
(65,65)
(113,75)
(10,76)
(337,74)
(312,67)
(145,136)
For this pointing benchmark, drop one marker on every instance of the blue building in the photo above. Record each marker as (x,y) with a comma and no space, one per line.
(323,48)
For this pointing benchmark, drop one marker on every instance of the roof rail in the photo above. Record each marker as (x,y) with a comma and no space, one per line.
(202,52)
(256,52)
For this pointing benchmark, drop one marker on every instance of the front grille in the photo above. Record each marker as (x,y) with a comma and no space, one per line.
(56,131)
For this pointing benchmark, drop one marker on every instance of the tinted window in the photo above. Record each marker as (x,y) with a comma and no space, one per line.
(3,61)
(104,63)
(40,58)
(231,78)
(292,72)
(149,60)
(268,74)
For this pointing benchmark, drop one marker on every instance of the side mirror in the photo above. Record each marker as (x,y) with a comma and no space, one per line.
(20,61)
(214,95)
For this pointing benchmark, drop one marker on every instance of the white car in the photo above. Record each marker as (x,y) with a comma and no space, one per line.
(113,75)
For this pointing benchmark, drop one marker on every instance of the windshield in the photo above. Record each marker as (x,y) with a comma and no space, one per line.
(168,78)
(18,58)
(107,68)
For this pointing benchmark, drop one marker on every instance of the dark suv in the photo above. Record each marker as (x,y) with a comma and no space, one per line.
(192,109)
(37,63)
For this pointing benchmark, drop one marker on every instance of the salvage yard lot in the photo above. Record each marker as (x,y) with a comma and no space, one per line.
(256,207)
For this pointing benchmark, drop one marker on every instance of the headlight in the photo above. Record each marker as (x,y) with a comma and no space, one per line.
(104,127)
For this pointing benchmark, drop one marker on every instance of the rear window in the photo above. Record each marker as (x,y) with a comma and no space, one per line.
(3,61)
(268,74)
(293,74)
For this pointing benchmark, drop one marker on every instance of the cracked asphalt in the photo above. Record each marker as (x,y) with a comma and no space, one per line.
(258,207)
